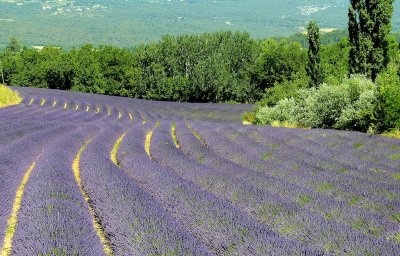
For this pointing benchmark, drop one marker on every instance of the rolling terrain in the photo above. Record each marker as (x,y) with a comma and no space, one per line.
(85,174)
(127,23)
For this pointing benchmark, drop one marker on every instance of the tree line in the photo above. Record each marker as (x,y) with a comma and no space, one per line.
(211,67)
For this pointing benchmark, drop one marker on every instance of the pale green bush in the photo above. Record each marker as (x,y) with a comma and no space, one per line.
(350,105)
(283,111)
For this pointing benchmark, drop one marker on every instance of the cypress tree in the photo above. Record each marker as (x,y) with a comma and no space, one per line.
(369,26)
(314,70)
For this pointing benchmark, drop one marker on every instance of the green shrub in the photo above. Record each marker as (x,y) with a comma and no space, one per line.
(249,118)
(321,108)
(389,85)
(360,115)
(392,134)
(282,112)
(8,97)
(285,89)
(350,105)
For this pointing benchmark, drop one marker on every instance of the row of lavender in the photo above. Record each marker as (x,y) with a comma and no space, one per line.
(199,187)
(141,109)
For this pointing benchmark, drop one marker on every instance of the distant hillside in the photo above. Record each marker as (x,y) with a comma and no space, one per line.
(130,22)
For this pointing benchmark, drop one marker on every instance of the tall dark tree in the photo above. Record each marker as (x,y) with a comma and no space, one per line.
(369,26)
(314,69)
(14,46)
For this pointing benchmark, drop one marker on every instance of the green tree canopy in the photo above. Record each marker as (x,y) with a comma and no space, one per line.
(314,68)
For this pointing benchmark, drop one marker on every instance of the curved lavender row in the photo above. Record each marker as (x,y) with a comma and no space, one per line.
(344,172)
(360,147)
(348,214)
(15,112)
(53,202)
(388,212)
(266,207)
(268,181)
(314,146)
(136,224)
(31,112)
(53,118)
(223,228)
(15,158)
(316,162)
(217,112)
(25,112)
(37,121)
(349,171)
(326,157)
(339,189)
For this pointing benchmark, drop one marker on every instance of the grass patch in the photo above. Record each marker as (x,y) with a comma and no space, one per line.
(200,159)
(396,176)
(391,197)
(354,200)
(304,200)
(395,157)
(364,226)
(266,156)
(392,134)
(343,171)
(333,214)
(396,217)
(358,145)
(324,187)
(114,151)
(173,135)
(394,147)
(8,97)
(286,124)
(198,137)
(249,118)
(397,238)
(148,142)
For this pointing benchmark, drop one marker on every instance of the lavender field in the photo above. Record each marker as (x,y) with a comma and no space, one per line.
(96,175)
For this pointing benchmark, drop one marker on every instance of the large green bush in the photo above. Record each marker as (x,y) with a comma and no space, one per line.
(285,89)
(283,111)
(389,87)
(350,105)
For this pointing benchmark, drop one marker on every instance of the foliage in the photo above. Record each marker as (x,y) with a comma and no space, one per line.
(199,68)
(286,89)
(8,97)
(369,27)
(13,46)
(279,61)
(249,117)
(334,61)
(389,87)
(392,134)
(314,69)
(334,70)
(349,105)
